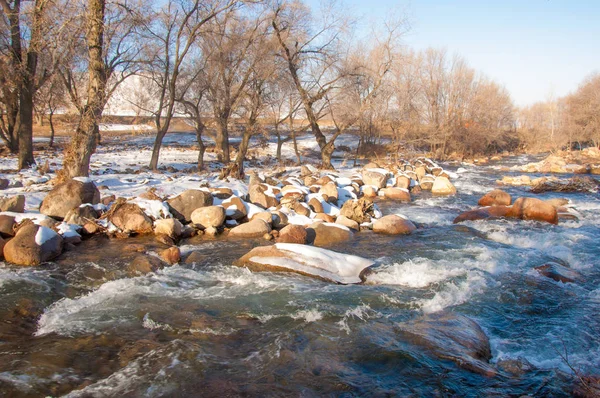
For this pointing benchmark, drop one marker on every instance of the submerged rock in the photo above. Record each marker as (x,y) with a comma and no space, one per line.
(558,272)
(306,260)
(67,196)
(483,213)
(451,336)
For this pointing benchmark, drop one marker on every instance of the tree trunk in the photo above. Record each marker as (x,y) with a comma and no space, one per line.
(222,141)
(201,147)
(160,134)
(50,116)
(83,145)
(242,151)
(326,154)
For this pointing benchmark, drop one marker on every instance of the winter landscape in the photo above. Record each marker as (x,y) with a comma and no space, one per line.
(235,198)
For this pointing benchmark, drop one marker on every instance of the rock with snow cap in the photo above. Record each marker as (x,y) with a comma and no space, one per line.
(69,195)
(442,186)
(81,215)
(375,177)
(33,245)
(130,218)
(262,195)
(306,260)
(209,216)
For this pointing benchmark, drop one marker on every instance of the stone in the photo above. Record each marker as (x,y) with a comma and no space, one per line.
(171,256)
(263,195)
(403,181)
(211,231)
(516,181)
(420,171)
(252,229)
(15,204)
(4,183)
(451,336)
(164,239)
(393,225)
(81,215)
(209,216)
(107,200)
(266,216)
(170,227)
(443,186)
(196,257)
(7,224)
(310,261)
(426,182)
(67,196)
(534,209)
(558,272)
(302,209)
(483,214)
(360,210)
(369,191)
(315,205)
(324,217)
(326,234)
(345,221)
(130,218)
(331,190)
(557,202)
(33,245)
(293,234)
(222,193)
(184,204)
(144,264)
(235,208)
(150,195)
(396,194)
(374,178)
(497,197)
(279,219)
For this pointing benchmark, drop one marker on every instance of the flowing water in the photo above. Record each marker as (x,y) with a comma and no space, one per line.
(80,327)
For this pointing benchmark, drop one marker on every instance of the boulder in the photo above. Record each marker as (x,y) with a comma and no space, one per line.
(369,191)
(170,227)
(399,194)
(330,189)
(184,204)
(4,183)
(534,209)
(129,217)
(497,197)
(263,195)
(483,214)
(403,181)
(33,245)
(376,177)
(209,216)
(235,208)
(426,182)
(279,219)
(81,215)
(266,216)
(326,234)
(453,337)
(345,221)
(144,264)
(359,210)
(516,181)
(14,204)
(324,217)
(393,225)
(443,186)
(7,224)
(306,260)
(558,273)
(222,193)
(293,234)
(557,202)
(171,256)
(252,229)
(67,196)
(315,205)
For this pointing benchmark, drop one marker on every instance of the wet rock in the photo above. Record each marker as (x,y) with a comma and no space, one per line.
(451,336)
(326,234)
(483,214)
(7,224)
(81,215)
(345,221)
(130,218)
(393,225)
(497,197)
(171,256)
(67,196)
(376,178)
(263,195)
(15,203)
(4,183)
(534,209)
(324,217)
(360,210)
(196,257)
(293,234)
(143,264)
(443,186)
(396,194)
(517,367)
(558,273)
(33,245)
(170,227)
(184,204)
(252,229)
(210,216)
(305,260)
(164,239)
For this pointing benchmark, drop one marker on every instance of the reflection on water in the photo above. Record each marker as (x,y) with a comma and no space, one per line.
(83,327)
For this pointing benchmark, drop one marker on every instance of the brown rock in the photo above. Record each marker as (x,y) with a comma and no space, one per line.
(209,216)
(263,195)
(171,256)
(81,215)
(67,196)
(293,234)
(557,202)
(359,210)
(393,225)
(279,219)
(15,204)
(426,182)
(222,193)
(170,227)
(396,194)
(184,204)
(403,181)
(235,208)
(107,200)
(483,213)
(497,197)
(315,205)
(129,217)
(534,209)
(369,191)
(196,257)
(265,216)
(7,224)
(252,229)
(324,217)
(558,273)
(443,186)
(24,249)
(345,221)
(144,264)
(374,178)
(330,189)
(302,209)
(326,234)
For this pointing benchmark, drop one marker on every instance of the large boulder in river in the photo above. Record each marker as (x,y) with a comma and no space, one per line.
(69,195)
(210,216)
(293,234)
(393,225)
(184,204)
(558,272)
(14,204)
(399,194)
(170,227)
(306,260)
(130,218)
(375,177)
(442,186)
(483,214)
(252,229)
(534,209)
(360,210)
(497,197)
(451,336)
(33,245)
(325,234)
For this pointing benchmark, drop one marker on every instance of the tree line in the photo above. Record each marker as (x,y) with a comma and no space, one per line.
(273,66)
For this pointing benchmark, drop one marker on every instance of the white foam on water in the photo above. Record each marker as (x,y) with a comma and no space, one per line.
(454,293)
(362,312)
(308,316)
(417,272)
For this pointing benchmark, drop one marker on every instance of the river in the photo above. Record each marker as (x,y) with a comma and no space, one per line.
(80,327)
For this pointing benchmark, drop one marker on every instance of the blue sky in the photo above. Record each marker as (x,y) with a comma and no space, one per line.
(535,48)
